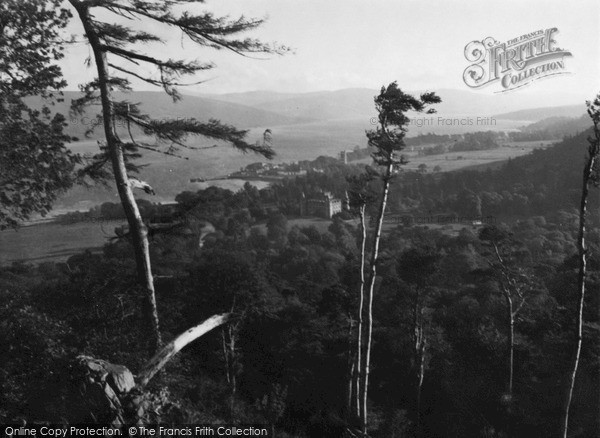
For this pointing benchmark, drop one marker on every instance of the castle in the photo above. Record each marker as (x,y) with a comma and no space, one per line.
(322,205)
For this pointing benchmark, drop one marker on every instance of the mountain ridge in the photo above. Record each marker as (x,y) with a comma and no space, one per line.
(159,105)
(540,113)
(265,108)
(357,103)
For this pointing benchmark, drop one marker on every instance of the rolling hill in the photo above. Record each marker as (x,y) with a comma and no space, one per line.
(357,103)
(560,126)
(159,105)
(348,104)
(250,98)
(537,114)
(266,109)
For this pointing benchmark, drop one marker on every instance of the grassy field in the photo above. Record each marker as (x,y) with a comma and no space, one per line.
(49,241)
(53,242)
(452,161)
(458,160)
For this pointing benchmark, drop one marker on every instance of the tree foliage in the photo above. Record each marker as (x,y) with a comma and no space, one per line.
(114,44)
(123,46)
(35,164)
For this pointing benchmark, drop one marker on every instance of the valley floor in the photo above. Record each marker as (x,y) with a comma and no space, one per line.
(48,241)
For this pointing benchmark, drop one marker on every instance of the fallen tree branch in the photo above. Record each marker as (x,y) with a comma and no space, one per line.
(172,348)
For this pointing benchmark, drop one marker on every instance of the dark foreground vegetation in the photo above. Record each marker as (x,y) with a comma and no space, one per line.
(284,361)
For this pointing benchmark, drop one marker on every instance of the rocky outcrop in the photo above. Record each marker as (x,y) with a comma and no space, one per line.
(102,387)
(110,394)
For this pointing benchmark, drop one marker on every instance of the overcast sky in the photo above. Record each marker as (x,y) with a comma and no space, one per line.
(357,43)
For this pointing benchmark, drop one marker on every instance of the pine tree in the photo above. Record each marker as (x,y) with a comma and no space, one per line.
(116,52)
(392,106)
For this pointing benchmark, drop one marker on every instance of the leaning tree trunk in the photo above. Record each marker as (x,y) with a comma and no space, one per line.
(109,394)
(359,342)
(581,277)
(370,289)
(138,230)
(172,348)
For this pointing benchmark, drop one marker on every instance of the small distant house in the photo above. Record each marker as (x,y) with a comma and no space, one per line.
(256,167)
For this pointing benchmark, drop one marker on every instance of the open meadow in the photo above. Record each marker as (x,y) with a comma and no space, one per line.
(47,241)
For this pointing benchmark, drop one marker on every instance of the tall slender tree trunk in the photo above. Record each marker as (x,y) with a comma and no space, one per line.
(359,341)
(420,346)
(511,347)
(138,230)
(421,376)
(370,289)
(511,313)
(350,367)
(228,340)
(581,277)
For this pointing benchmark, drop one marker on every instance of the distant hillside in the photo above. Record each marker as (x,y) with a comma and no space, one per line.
(348,104)
(560,126)
(536,114)
(550,178)
(160,105)
(540,183)
(357,103)
(250,98)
